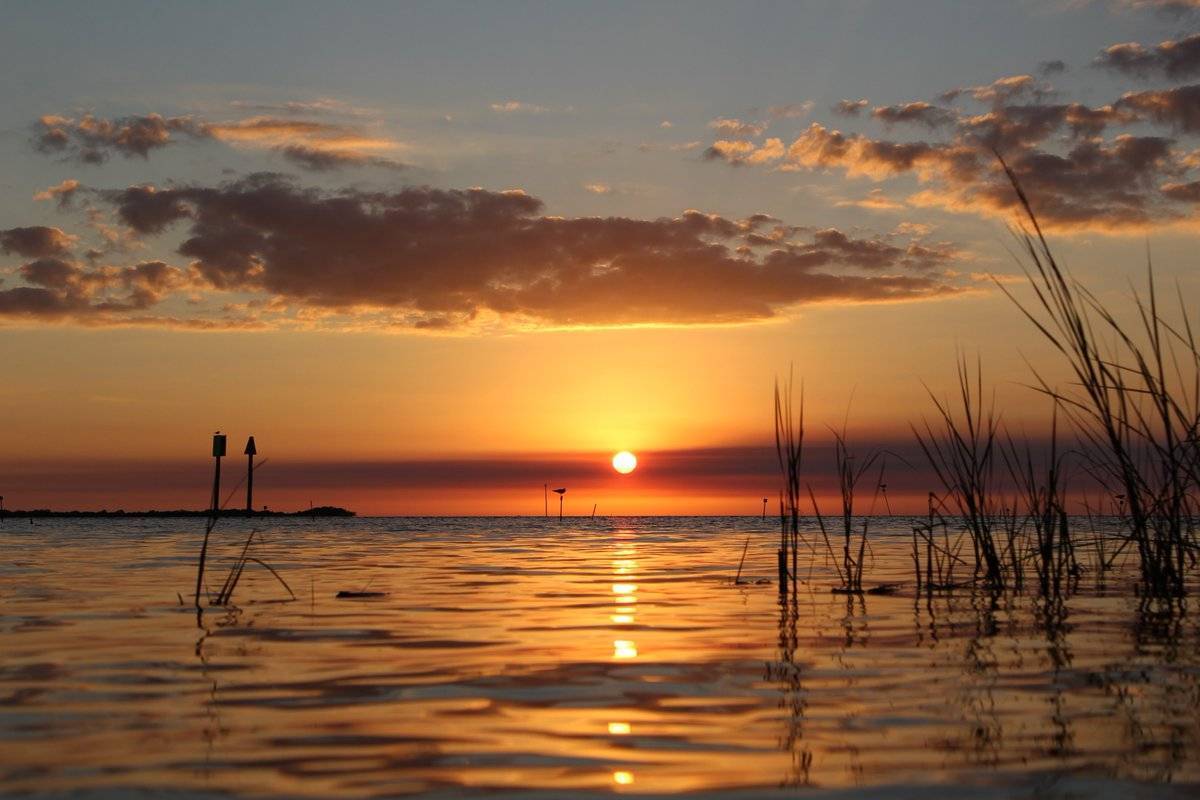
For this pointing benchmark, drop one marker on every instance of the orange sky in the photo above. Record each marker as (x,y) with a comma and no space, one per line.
(457,242)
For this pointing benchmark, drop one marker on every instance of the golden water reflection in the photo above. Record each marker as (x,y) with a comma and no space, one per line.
(509,655)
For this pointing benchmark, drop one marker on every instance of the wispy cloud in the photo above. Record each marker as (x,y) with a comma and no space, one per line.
(517,107)
(317,145)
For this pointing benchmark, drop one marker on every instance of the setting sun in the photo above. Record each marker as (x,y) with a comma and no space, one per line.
(624,462)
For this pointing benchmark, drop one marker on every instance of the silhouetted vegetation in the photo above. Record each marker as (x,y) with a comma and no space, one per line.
(1133,406)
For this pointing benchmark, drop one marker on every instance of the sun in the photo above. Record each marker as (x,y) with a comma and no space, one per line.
(624,462)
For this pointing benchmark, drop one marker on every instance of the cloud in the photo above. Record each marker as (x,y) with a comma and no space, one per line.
(516,106)
(91,140)
(314,145)
(875,200)
(850,108)
(324,160)
(1179,107)
(919,112)
(1186,192)
(1174,8)
(999,91)
(62,194)
(1173,59)
(60,288)
(1052,67)
(597,188)
(666,123)
(36,241)
(324,105)
(425,258)
(739,152)
(736,127)
(1080,173)
(791,110)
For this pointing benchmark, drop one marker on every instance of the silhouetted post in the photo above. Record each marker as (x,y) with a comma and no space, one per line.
(546,498)
(764,516)
(218,450)
(250,452)
(594,510)
(560,493)
(218,453)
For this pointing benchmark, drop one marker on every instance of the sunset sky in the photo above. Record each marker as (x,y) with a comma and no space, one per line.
(436,255)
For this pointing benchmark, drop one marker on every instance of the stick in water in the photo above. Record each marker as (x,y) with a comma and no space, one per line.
(746,546)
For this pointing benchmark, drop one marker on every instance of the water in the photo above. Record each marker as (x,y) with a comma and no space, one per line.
(533,657)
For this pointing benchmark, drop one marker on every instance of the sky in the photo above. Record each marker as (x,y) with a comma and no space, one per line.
(435,256)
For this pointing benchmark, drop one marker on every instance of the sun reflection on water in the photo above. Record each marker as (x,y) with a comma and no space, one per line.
(624,612)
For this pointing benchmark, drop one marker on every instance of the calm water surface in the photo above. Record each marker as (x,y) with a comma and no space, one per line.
(526,656)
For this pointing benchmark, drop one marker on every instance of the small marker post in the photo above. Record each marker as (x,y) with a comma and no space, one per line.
(560,493)
(218,451)
(250,452)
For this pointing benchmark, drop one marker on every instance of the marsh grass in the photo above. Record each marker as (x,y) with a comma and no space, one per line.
(789,448)
(961,448)
(224,595)
(1134,404)
(850,471)
(1133,407)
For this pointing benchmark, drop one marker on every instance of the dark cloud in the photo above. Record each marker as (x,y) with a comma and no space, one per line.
(92,139)
(1000,91)
(1092,185)
(1186,192)
(1079,172)
(93,295)
(25,301)
(1179,107)
(1173,59)
(50,273)
(36,241)
(1169,8)
(317,145)
(319,160)
(1053,67)
(434,258)
(919,112)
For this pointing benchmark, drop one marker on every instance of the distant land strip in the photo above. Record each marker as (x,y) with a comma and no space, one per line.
(319,511)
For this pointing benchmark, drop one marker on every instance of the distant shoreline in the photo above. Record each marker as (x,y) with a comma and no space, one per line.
(319,511)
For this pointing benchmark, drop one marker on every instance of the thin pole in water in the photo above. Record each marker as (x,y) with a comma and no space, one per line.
(738,578)
(218,450)
(250,452)
(546,497)
(593,510)
(764,516)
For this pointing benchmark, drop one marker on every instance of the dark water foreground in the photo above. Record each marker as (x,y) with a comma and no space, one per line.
(546,659)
